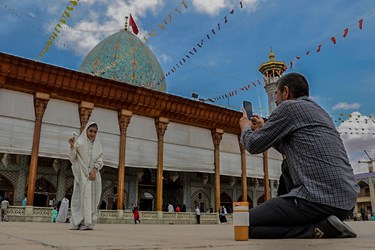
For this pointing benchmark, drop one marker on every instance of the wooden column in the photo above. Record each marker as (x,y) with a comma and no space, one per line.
(161,125)
(217,135)
(124,117)
(243,170)
(85,109)
(40,104)
(266,177)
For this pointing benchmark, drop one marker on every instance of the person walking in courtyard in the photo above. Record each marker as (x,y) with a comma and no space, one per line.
(62,215)
(86,156)
(136,214)
(4,209)
(198,214)
(222,214)
(24,201)
(54,215)
(363,213)
(323,190)
(170,208)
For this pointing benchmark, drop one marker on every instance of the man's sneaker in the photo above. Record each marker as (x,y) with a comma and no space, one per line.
(344,229)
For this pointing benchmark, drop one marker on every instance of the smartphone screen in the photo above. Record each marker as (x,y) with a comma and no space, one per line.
(249,108)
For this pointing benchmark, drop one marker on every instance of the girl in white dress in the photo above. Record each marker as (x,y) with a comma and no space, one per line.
(86,156)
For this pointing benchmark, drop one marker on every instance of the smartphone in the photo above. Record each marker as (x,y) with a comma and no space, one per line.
(249,108)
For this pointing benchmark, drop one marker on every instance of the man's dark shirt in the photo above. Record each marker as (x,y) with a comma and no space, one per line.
(315,155)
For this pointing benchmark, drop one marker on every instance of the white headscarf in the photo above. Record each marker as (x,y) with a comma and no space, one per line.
(87,161)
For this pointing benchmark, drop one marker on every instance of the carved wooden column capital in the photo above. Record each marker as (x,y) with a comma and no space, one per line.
(124,117)
(161,125)
(217,135)
(40,104)
(85,109)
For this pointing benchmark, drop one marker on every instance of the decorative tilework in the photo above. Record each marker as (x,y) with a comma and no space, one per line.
(11,176)
(108,193)
(136,64)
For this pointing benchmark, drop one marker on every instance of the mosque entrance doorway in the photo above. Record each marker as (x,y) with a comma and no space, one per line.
(44,193)
(146,202)
(172,189)
(147,189)
(226,201)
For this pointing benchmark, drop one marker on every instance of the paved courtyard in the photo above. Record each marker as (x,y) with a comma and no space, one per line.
(32,235)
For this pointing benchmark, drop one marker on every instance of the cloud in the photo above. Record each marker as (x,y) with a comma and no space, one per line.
(100,16)
(211,7)
(251,5)
(346,106)
(104,17)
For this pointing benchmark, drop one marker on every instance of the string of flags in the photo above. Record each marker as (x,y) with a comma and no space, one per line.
(58,27)
(16,13)
(166,21)
(20,14)
(353,118)
(355,124)
(291,64)
(333,39)
(200,43)
(356,133)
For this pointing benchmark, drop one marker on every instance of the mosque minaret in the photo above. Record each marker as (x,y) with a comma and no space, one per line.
(272,71)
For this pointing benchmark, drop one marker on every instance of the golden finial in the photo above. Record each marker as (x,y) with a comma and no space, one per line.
(126,23)
(272,55)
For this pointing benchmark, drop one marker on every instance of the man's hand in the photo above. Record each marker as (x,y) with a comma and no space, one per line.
(257,122)
(244,121)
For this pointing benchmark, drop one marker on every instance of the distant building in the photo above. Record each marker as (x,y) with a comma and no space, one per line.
(366,195)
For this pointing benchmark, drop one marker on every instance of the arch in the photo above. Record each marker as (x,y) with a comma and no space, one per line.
(6,189)
(201,199)
(260,199)
(109,196)
(146,177)
(147,200)
(226,200)
(364,189)
(248,200)
(44,192)
(45,186)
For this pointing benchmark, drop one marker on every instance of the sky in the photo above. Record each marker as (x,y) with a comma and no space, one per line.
(234,37)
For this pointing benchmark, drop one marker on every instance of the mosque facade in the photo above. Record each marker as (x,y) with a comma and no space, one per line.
(158,148)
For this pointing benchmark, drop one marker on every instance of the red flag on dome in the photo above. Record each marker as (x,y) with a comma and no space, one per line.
(133,25)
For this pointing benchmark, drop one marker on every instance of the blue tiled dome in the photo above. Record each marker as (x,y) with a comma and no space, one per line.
(125,58)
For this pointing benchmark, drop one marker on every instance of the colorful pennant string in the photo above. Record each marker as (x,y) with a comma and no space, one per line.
(58,27)
(167,21)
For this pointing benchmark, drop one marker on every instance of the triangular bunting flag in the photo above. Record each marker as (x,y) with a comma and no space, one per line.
(345,32)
